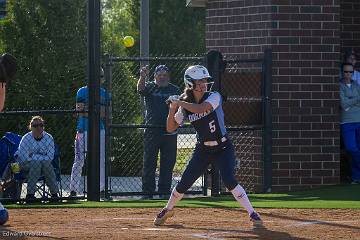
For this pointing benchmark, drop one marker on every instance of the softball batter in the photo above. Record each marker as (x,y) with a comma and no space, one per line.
(204,111)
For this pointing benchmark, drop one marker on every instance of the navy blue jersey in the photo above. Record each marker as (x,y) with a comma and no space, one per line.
(155,96)
(209,125)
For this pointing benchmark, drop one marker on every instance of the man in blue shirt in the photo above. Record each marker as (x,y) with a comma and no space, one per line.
(156,139)
(82,106)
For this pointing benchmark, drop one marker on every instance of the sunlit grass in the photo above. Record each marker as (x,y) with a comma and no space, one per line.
(330,197)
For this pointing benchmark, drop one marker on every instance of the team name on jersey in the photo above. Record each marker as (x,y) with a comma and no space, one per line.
(196,116)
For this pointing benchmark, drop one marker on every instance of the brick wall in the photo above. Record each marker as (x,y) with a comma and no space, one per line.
(241,29)
(305,39)
(350,23)
(238,28)
(306,45)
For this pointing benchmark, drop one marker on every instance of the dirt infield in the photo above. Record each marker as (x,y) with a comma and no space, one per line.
(189,223)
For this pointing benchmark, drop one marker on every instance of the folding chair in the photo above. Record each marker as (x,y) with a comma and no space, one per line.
(8,146)
(41,188)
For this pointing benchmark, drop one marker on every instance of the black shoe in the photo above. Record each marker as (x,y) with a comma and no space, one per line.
(164,196)
(355,182)
(73,194)
(30,197)
(146,197)
(105,195)
(55,198)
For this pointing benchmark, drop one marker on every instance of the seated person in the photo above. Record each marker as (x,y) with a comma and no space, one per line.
(35,154)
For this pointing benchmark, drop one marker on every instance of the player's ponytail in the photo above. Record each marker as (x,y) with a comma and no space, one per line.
(187,96)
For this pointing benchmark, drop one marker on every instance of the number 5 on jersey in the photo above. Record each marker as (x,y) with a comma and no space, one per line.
(212,126)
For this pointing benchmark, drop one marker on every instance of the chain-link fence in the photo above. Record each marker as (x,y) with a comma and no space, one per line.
(40,157)
(246,86)
(50,43)
(136,135)
(126,134)
(51,82)
(242,86)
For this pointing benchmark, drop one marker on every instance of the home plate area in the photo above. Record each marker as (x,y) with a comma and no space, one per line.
(187,223)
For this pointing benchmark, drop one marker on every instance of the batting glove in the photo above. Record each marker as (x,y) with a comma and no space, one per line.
(179,116)
(172,98)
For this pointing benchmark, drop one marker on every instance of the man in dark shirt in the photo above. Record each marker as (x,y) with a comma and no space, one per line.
(156,138)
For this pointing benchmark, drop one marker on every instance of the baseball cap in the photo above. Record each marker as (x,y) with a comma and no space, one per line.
(160,68)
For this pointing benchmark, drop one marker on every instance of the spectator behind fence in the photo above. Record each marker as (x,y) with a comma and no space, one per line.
(157,139)
(350,118)
(35,154)
(82,106)
(350,56)
(7,73)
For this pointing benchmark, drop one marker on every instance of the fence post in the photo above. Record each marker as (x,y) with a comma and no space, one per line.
(213,62)
(93,147)
(267,120)
(108,122)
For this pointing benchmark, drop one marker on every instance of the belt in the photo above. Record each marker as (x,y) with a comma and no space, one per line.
(215,143)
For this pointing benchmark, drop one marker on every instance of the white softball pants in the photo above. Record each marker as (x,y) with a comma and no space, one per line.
(80,155)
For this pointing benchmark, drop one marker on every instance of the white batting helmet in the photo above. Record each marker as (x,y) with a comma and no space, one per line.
(194,73)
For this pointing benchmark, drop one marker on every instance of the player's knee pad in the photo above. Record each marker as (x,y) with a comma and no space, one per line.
(181,188)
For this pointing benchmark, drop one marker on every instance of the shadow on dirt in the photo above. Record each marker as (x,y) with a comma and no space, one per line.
(231,233)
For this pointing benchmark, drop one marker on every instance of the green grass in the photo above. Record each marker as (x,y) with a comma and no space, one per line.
(340,196)
(182,157)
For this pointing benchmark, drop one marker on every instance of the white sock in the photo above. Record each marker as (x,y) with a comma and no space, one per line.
(174,198)
(240,195)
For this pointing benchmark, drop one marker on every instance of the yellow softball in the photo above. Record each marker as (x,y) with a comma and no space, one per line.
(128,41)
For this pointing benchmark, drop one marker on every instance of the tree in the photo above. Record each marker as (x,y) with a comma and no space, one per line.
(49,40)
(117,22)
(174,28)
